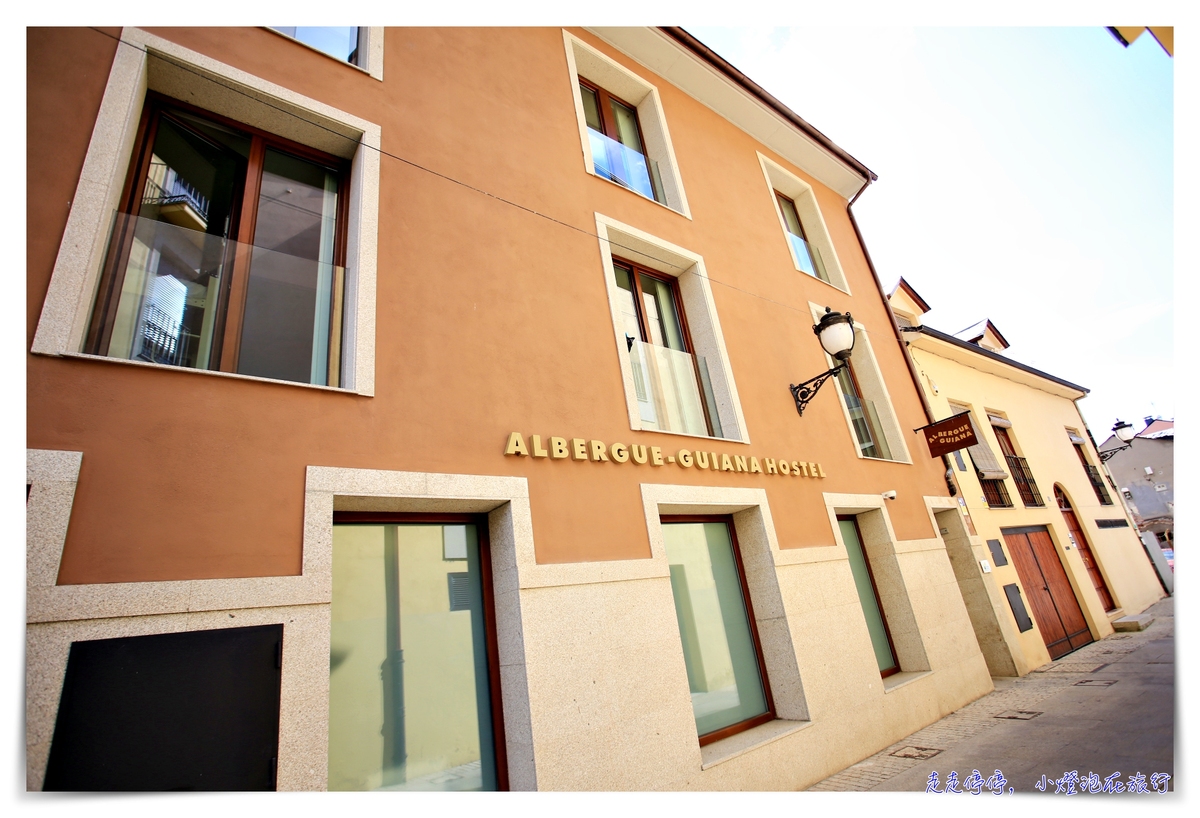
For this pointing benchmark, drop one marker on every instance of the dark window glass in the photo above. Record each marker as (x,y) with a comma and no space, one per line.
(227,254)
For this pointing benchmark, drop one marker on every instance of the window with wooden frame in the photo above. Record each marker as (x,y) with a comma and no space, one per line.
(807,257)
(673,386)
(868,596)
(340,42)
(1091,471)
(414,671)
(721,646)
(864,416)
(618,147)
(1022,476)
(228,252)
(987,468)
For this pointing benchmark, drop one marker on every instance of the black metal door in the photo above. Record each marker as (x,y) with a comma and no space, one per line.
(177,711)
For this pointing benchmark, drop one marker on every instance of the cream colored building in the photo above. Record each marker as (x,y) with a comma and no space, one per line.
(1059,556)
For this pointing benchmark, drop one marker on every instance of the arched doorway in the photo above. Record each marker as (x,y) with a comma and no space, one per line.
(1085,550)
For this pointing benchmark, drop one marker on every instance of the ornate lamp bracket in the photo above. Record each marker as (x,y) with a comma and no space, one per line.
(802,393)
(1108,455)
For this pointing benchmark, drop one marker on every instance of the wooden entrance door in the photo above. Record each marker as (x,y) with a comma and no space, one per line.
(1085,550)
(1057,611)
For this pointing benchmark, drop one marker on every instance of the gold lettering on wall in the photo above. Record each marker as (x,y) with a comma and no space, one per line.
(597,451)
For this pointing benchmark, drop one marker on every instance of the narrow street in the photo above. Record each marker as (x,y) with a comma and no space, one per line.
(1107,709)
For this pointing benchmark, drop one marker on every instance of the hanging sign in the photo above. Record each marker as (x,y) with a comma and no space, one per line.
(949,435)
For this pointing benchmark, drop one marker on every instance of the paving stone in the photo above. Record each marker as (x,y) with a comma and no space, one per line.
(1126,727)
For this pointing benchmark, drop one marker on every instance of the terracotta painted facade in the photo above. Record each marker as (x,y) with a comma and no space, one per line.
(490,312)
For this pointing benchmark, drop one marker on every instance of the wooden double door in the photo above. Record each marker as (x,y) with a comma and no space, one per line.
(1055,606)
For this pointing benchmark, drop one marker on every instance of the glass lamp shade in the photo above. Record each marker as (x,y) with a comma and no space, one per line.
(1123,431)
(836,334)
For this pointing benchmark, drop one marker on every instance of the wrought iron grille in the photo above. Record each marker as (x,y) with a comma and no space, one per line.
(995,493)
(1026,485)
(1093,474)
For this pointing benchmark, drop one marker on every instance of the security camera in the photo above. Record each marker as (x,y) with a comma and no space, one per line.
(889,495)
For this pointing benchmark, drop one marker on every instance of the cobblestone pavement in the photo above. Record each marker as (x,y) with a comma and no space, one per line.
(1108,706)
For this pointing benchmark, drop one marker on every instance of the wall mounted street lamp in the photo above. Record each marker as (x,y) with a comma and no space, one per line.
(1125,434)
(835,331)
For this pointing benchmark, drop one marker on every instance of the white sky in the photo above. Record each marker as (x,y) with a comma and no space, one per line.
(1025,175)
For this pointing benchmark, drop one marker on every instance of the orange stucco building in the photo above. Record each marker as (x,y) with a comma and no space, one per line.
(536,294)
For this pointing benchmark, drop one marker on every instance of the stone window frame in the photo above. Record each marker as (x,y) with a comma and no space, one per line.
(874,388)
(57,615)
(145,62)
(780,179)
(695,291)
(588,62)
(760,555)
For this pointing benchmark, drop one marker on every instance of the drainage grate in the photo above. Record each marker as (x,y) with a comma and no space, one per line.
(1023,715)
(1096,683)
(919,753)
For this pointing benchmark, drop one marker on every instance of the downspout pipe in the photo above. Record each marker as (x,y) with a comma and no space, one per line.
(912,367)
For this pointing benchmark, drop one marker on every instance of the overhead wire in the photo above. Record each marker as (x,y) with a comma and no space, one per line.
(684,270)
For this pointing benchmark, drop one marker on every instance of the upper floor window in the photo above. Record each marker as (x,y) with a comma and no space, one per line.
(673,385)
(809,243)
(864,416)
(1092,472)
(228,252)
(622,129)
(806,255)
(987,468)
(618,151)
(341,42)
(864,398)
(1026,485)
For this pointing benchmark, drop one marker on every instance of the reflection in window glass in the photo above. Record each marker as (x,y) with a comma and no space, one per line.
(409,692)
(336,41)
(718,647)
(288,324)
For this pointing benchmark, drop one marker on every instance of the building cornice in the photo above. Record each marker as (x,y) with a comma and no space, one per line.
(955,349)
(698,71)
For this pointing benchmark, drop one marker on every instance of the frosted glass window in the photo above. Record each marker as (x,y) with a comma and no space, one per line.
(409,689)
(723,668)
(880,640)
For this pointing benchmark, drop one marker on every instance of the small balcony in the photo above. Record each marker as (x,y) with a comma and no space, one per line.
(808,258)
(171,288)
(1026,485)
(1097,482)
(674,393)
(625,166)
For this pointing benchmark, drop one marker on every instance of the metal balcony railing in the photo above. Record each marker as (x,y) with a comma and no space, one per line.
(1026,485)
(625,166)
(1093,474)
(669,385)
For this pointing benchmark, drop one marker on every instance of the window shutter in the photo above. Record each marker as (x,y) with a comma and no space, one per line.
(1003,423)
(985,461)
(1075,439)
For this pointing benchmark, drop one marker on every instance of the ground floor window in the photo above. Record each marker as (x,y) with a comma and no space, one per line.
(414,679)
(868,596)
(716,625)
